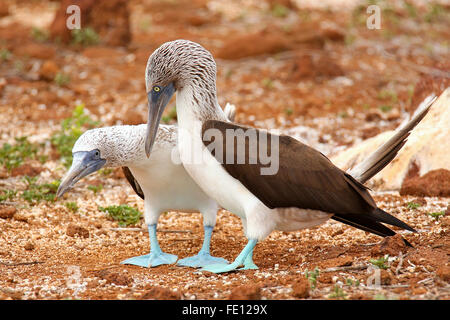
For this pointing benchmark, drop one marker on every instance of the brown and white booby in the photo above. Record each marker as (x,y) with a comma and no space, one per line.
(160,180)
(272,182)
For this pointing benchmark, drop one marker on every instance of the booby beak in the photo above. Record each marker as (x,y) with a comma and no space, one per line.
(84,163)
(157,102)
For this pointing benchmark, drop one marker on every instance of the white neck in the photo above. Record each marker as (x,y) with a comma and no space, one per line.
(191,110)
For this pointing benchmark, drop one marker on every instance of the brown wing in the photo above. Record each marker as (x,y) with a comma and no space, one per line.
(134,184)
(306,178)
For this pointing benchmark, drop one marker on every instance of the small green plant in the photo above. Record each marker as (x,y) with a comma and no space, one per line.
(72,206)
(379,296)
(7,195)
(343,114)
(388,94)
(268,83)
(351,282)
(12,156)
(411,9)
(435,11)
(95,188)
(279,11)
(385,108)
(413,205)
(85,37)
(145,24)
(105,171)
(437,215)
(5,54)
(349,39)
(71,130)
(171,115)
(359,16)
(18,65)
(39,35)
(125,215)
(381,262)
(338,293)
(312,276)
(36,193)
(288,111)
(62,79)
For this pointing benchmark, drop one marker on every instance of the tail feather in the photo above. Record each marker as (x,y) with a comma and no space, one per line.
(387,152)
(230,111)
(382,216)
(359,222)
(370,223)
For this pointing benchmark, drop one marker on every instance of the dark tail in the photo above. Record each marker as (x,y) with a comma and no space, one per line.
(373,223)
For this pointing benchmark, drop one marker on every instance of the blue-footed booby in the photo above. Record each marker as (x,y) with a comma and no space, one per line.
(272,182)
(160,180)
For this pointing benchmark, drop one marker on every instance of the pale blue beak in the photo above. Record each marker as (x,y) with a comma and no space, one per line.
(83,164)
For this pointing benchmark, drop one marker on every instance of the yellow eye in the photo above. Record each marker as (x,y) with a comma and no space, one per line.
(156,89)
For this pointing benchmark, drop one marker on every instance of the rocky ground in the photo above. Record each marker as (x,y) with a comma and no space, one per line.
(316,73)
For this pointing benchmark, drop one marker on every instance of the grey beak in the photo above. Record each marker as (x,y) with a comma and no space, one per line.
(83,164)
(157,102)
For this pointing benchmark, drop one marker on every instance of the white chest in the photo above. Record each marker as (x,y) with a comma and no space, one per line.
(209,174)
(167,185)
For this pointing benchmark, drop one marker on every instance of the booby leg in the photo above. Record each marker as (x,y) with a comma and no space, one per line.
(248,262)
(156,257)
(240,260)
(203,257)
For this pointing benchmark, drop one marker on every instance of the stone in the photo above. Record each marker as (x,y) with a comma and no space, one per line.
(300,289)
(73,230)
(48,70)
(246,292)
(435,183)
(7,212)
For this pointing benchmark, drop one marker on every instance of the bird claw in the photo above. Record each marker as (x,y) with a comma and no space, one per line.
(151,260)
(220,268)
(201,260)
(249,266)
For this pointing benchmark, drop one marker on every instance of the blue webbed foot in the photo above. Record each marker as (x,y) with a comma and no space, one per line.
(244,258)
(220,267)
(249,266)
(151,260)
(200,260)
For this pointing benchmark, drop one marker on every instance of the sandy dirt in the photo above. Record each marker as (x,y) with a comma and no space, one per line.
(318,74)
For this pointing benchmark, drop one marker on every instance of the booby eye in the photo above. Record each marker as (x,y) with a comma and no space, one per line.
(156,89)
(97,153)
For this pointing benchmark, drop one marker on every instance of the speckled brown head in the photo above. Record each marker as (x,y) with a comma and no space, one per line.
(174,66)
(180,62)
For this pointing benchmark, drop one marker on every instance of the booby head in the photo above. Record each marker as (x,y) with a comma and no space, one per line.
(100,147)
(172,67)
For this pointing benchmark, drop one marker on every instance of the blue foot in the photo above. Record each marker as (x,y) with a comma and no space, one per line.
(200,260)
(220,268)
(244,258)
(248,262)
(151,260)
(249,266)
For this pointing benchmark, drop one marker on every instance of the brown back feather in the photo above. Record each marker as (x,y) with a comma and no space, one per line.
(306,178)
